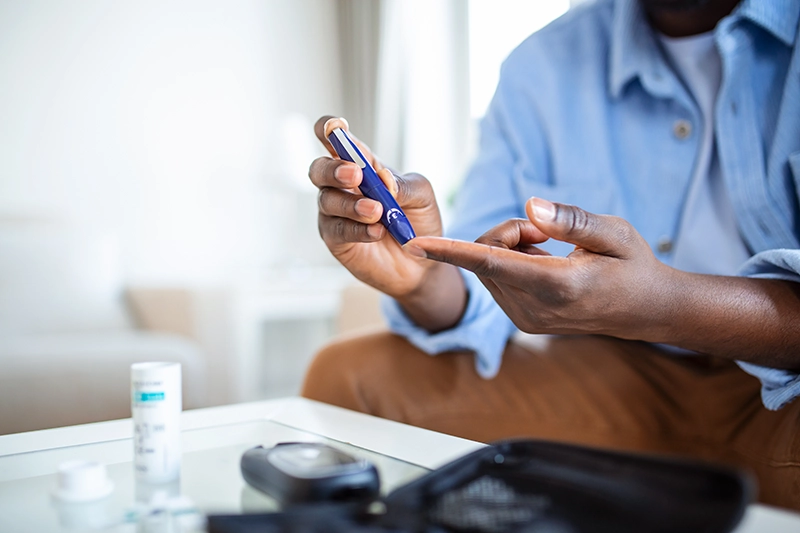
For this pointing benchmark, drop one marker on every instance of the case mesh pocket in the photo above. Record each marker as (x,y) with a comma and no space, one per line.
(490,505)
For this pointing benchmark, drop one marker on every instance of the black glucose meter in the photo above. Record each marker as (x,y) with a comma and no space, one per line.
(305,472)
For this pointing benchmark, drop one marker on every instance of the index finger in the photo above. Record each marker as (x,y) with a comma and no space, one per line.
(499,264)
(515,233)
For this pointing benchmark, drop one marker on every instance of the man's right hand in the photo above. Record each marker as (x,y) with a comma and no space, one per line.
(349,223)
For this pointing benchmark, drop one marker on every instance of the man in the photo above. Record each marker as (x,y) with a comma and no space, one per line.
(681,118)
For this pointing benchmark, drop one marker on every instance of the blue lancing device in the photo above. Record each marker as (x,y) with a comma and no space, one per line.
(373,187)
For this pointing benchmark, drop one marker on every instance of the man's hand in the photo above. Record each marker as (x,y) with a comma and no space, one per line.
(612,284)
(607,285)
(433,294)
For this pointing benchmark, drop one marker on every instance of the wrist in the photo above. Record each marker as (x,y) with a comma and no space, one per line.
(439,300)
(658,312)
(681,304)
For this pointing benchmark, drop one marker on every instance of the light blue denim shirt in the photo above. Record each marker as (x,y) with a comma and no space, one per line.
(589,112)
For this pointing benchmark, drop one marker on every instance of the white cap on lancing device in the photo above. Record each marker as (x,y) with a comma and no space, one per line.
(82,481)
(156,408)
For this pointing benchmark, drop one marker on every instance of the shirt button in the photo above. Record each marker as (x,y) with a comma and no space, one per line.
(682,129)
(664,245)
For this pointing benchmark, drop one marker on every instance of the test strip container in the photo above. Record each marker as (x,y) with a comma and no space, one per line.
(156,408)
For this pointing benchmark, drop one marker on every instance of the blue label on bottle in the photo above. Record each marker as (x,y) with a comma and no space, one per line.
(149,397)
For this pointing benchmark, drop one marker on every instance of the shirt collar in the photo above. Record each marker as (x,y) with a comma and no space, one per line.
(779,17)
(635,53)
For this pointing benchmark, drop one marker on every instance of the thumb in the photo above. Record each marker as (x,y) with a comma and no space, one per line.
(388,179)
(326,124)
(601,234)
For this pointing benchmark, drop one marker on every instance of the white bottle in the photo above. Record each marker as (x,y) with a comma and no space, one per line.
(156,407)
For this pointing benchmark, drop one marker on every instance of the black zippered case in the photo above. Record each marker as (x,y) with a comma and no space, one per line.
(535,487)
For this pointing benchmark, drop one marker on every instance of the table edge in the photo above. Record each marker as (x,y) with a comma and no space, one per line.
(406,443)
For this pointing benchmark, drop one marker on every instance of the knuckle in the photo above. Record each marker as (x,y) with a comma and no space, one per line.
(324,227)
(504,235)
(334,202)
(361,233)
(623,231)
(489,265)
(321,171)
(315,168)
(560,290)
(571,289)
(333,230)
(578,221)
(322,200)
(336,230)
(413,187)
(420,182)
(404,185)
(487,238)
(346,230)
(341,229)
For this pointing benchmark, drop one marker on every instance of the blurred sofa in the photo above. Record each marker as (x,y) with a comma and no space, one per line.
(70,329)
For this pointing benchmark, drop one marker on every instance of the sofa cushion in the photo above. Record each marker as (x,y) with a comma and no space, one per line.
(63,379)
(58,277)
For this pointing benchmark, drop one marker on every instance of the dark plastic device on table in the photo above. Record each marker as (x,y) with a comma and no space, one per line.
(535,487)
(304,472)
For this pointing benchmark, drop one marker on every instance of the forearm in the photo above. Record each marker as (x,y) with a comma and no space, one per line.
(440,301)
(748,319)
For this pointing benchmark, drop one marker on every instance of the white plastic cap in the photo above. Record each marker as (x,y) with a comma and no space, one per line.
(80,481)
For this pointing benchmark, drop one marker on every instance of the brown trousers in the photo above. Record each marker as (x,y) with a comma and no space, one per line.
(595,391)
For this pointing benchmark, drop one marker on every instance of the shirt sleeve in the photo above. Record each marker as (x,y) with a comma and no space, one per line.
(778,386)
(484,329)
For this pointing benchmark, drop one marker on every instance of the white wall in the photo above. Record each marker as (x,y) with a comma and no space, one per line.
(159,121)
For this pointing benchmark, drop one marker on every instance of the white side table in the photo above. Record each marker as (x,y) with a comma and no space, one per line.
(282,317)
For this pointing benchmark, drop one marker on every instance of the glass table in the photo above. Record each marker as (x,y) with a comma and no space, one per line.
(213,441)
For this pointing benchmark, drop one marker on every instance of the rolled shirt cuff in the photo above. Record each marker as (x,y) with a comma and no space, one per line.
(778,386)
(484,329)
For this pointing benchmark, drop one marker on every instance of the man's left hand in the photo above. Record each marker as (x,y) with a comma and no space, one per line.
(611,284)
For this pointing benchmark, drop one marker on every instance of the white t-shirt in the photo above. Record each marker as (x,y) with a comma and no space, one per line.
(708,239)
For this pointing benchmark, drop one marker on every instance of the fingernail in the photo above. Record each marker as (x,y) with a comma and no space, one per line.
(543,210)
(416,251)
(365,208)
(340,174)
(337,173)
(375,231)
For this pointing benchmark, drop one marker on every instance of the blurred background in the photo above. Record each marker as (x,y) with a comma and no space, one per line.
(154,199)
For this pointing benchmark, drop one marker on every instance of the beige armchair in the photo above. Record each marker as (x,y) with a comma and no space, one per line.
(360,310)
(68,335)
(58,379)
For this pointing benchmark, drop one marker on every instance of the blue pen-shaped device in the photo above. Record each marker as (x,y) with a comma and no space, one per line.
(373,187)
